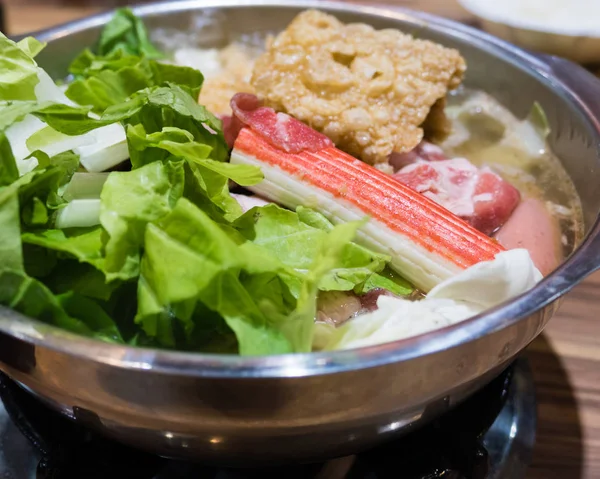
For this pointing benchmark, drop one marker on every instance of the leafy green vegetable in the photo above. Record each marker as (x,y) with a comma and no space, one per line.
(44,138)
(110,80)
(129,201)
(76,277)
(295,243)
(39,262)
(18,70)
(92,314)
(31,46)
(11,256)
(313,218)
(67,161)
(154,108)
(26,89)
(24,293)
(263,278)
(128,33)
(88,64)
(69,120)
(28,135)
(364,282)
(189,242)
(8,166)
(159,107)
(40,188)
(84,244)
(36,214)
(14,111)
(300,324)
(31,298)
(386,280)
(207,179)
(231,284)
(107,87)
(150,147)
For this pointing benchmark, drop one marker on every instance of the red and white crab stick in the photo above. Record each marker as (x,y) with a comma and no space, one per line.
(426,242)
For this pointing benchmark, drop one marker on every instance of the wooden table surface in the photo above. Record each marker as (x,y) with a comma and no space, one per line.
(565,359)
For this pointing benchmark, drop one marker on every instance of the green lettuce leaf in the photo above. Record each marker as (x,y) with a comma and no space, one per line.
(31,46)
(106,81)
(84,244)
(14,111)
(84,185)
(39,190)
(27,142)
(383,278)
(130,200)
(267,304)
(88,64)
(107,88)
(154,108)
(39,262)
(8,166)
(189,242)
(313,218)
(69,120)
(389,280)
(67,161)
(11,255)
(92,314)
(69,275)
(159,107)
(295,243)
(28,295)
(31,298)
(299,326)
(18,70)
(207,180)
(128,33)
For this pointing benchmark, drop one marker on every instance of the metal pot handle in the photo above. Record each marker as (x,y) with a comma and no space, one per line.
(586,87)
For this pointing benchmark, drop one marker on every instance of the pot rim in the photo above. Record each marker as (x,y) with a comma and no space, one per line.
(573,270)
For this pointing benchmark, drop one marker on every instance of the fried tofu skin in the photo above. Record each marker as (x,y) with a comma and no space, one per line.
(368,90)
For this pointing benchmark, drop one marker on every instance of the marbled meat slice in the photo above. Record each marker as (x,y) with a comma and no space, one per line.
(478,195)
(279,129)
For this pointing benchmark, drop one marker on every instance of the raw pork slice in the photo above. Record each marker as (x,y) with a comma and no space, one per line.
(478,195)
(279,129)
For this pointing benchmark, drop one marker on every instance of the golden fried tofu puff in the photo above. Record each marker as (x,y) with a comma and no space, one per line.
(368,90)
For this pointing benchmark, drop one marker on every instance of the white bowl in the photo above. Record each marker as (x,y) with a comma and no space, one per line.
(568,28)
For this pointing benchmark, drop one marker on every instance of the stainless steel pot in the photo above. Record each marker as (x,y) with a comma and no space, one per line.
(309,406)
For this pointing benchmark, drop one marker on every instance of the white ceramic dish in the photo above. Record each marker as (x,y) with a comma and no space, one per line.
(568,28)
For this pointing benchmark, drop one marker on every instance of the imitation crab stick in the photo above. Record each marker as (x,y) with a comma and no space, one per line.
(427,243)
